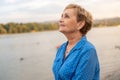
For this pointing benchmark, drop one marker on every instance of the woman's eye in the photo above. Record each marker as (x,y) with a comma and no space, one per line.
(66,16)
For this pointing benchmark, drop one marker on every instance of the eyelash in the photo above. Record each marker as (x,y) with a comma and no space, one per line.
(65,16)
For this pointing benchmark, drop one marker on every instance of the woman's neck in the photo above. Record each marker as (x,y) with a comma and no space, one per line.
(73,38)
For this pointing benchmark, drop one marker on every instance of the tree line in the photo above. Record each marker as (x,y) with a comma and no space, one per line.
(107,22)
(10,28)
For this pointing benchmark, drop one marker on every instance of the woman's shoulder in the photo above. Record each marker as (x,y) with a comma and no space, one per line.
(86,43)
(89,46)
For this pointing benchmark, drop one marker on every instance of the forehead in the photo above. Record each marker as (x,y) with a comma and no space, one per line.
(70,11)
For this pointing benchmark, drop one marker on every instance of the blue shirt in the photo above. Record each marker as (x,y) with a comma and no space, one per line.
(80,64)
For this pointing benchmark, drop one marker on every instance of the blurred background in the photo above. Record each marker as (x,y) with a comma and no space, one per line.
(29,37)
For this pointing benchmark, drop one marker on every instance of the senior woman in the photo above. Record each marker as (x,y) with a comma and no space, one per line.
(76,59)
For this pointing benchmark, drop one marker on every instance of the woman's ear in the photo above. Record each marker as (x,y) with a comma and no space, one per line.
(80,25)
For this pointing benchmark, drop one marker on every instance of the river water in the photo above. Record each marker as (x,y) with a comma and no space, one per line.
(29,56)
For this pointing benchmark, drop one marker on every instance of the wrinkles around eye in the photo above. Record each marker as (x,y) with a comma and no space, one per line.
(65,16)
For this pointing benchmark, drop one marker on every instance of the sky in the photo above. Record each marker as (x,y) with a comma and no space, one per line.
(50,10)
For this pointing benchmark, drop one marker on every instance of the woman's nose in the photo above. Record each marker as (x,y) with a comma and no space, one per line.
(61,20)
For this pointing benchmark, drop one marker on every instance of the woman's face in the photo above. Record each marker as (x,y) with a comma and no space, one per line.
(68,22)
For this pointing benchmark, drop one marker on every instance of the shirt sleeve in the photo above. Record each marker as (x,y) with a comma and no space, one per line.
(88,67)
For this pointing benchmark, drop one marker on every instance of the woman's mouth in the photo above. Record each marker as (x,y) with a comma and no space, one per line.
(61,25)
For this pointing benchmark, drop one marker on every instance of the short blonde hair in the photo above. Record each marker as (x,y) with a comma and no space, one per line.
(82,15)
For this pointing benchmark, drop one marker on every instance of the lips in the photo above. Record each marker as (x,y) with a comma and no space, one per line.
(61,25)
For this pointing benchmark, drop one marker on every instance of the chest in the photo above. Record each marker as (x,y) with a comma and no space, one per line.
(66,68)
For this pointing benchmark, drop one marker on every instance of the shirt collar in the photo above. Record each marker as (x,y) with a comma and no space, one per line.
(79,45)
(81,42)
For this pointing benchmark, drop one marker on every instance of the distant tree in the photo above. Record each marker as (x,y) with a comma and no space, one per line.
(2,29)
(54,26)
(40,27)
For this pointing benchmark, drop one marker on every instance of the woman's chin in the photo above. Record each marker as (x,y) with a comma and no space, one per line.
(61,30)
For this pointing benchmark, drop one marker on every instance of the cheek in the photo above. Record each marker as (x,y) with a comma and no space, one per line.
(72,24)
